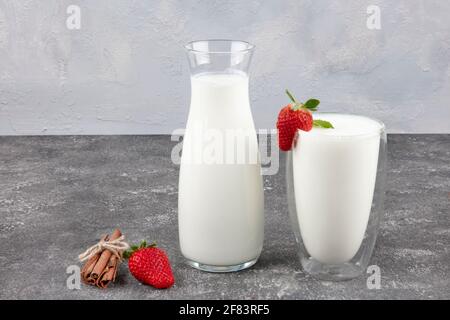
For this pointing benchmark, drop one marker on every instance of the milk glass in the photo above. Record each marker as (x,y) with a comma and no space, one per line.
(336,186)
(220,199)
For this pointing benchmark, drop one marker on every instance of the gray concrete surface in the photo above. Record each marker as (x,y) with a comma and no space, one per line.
(58,194)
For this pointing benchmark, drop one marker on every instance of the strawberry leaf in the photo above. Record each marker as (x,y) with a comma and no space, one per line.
(312,104)
(322,124)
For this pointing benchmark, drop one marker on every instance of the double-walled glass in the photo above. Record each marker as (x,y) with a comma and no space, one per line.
(220,199)
(336,187)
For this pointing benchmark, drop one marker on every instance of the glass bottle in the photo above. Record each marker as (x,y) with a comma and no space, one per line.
(220,199)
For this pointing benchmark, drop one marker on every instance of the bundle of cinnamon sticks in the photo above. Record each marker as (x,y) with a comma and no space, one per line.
(101,268)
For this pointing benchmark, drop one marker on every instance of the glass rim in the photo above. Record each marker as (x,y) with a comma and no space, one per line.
(248,46)
(380,131)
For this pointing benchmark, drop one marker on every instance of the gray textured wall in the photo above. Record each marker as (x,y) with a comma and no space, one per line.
(125,70)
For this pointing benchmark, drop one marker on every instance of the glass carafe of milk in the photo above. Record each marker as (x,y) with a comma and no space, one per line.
(220,199)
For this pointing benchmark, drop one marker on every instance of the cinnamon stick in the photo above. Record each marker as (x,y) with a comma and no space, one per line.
(87,269)
(89,266)
(101,269)
(104,258)
(109,274)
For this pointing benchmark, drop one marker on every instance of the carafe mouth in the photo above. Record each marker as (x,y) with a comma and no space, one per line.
(219,46)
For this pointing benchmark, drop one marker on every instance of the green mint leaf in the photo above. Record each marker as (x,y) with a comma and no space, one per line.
(312,104)
(322,124)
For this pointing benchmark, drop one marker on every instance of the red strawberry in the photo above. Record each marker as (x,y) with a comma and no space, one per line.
(150,265)
(291,119)
(297,116)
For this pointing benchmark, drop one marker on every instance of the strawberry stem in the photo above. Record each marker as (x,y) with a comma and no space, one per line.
(296,105)
(291,96)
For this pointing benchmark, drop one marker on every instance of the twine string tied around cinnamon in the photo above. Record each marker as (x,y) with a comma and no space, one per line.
(116,247)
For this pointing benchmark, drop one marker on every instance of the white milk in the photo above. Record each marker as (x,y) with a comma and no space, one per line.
(221,202)
(334,179)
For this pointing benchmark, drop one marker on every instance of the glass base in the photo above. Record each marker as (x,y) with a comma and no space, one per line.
(221,269)
(324,272)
